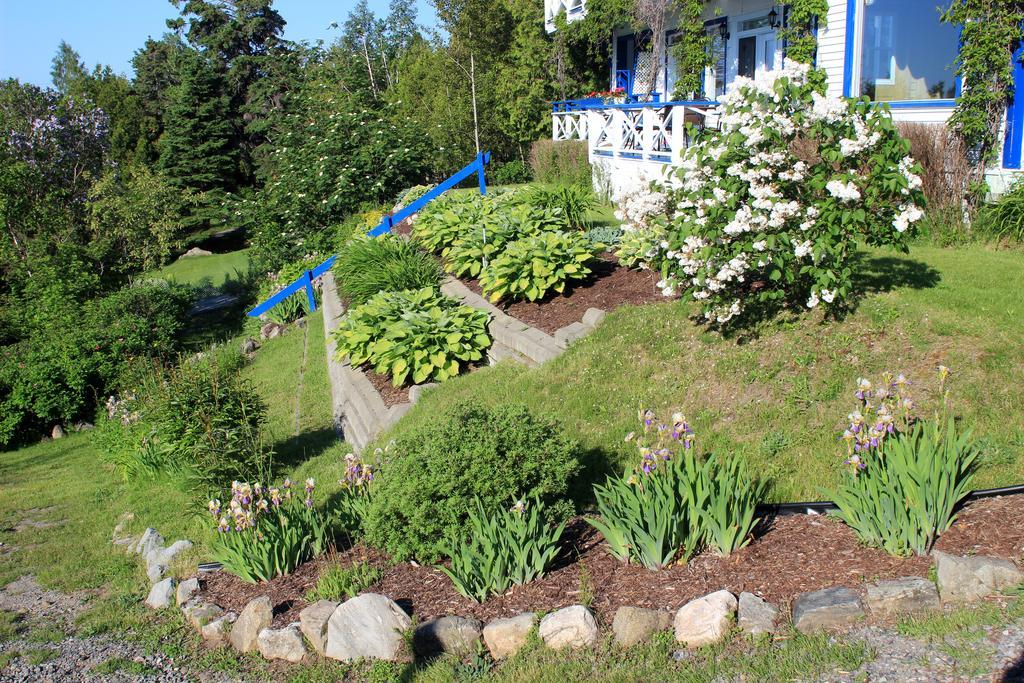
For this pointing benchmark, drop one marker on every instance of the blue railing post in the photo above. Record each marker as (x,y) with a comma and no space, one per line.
(309,291)
(480,171)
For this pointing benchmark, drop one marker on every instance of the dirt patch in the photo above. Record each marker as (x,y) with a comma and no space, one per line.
(610,286)
(391,394)
(792,555)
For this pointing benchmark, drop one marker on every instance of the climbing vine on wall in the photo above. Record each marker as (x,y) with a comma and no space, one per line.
(692,52)
(991,33)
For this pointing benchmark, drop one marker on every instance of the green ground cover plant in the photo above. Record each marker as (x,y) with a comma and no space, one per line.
(413,336)
(387,263)
(337,582)
(504,547)
(427,485)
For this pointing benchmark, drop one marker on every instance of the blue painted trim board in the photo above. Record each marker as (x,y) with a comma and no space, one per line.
(1012,145)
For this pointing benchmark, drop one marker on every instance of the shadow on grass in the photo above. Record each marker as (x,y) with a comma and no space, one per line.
(873,274)
(295,450)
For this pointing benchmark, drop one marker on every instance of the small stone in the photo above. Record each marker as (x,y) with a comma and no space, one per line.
(165,556)
(82,426)
(756,616)
(271,330)
(907,595)
(199,614)
(255,616)
(284,643)
(570,627)
(313,623)
(249,346)
(828,608)
(216,632)
(633,625)
(705,620)
(368,626)
(196,251)
(416,391)
(455,635)
(161,594)
(156,572)
(186,589)
(969,579)
(57,433)
(593,317)
(504,637)
(150,539)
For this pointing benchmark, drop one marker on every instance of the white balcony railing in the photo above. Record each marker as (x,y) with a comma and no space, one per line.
(574,11)
(656,131)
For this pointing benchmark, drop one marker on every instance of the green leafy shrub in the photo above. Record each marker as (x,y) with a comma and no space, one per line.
(534,266)
(674,504)
(418,335)
(446,219)
(1003,218)
(509,173)
(605,236)
(383,264)
(337,582)
(564,161)
(906,476)
(571,201)
(509,547)
(409,195)
(297,305)
(200,421)
(425,492)
(265,533)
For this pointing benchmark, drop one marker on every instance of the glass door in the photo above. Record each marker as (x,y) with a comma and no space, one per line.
(757,46)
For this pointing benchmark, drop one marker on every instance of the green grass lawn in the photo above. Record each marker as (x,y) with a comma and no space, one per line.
(206,270)
(779,396)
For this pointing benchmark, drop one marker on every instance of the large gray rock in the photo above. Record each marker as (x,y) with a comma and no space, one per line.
(705,620)
(255,617)
(907,595)
(284,643)
(161,595)
(633,625)
(570,627)
(504,637)
(57,432)
(756,616)
(156,572)
(249,346)
(455,635)
(968,579)
(199,614)
(828,608)
(165,556)
(313,623)
(367,626)
(186,590)
(150,539)
(216,632)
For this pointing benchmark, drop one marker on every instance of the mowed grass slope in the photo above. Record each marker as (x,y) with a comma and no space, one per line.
(780,396)
(211,270)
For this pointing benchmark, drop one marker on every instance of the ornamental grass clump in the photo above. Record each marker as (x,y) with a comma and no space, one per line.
(769,211)
(507,547)
(905,475)
(387,263)
(414,335)
(674,503)
(265,533)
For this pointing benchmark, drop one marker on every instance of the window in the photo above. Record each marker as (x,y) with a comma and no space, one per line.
(906,52)
(714,75)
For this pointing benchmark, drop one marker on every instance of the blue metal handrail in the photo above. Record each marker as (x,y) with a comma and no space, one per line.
(562,106)
(305,280)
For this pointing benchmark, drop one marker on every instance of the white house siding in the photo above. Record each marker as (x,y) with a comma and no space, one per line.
(832,46)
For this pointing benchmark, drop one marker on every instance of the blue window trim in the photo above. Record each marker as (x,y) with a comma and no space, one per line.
(1014,141)
(852,26)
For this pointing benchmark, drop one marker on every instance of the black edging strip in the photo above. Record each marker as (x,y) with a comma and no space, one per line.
(821,507)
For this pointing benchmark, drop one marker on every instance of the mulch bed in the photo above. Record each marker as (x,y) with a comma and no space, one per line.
(792,555)
(609,287)
(391,394)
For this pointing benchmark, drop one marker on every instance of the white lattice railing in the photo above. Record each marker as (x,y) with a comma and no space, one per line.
(647,132)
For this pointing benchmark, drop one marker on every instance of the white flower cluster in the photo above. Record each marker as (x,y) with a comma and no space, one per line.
(749,204)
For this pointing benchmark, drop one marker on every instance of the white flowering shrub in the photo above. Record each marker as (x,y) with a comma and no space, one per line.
(642,213)
(771,209)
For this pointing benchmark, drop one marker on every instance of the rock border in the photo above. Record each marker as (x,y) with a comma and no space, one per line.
(515,340)
(358,409)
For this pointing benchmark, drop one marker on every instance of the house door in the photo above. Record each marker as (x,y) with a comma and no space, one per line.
(757,46)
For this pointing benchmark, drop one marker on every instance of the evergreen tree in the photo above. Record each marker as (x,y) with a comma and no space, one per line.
(195,149)
(524,85)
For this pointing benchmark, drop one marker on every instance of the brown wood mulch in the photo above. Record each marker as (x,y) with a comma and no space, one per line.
(791,555)
(609,287)
(391,394)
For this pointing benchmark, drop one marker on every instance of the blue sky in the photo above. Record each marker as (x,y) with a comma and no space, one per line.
(109,31)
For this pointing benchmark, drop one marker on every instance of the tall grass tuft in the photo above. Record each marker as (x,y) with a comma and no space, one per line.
(385,264)
(1003,219)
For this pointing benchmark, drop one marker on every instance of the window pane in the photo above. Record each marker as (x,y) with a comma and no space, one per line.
(907,53)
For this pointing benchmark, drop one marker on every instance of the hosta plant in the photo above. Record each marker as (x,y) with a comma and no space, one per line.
(509,547)
(533,267)
(675,503)
(906,476)
(413,335)
(472,253)
(265,533)
(771,210)
(445,220)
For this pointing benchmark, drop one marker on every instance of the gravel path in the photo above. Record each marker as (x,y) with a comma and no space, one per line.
(71,658)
